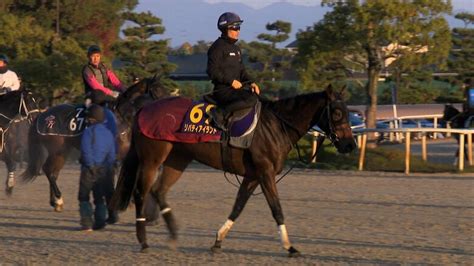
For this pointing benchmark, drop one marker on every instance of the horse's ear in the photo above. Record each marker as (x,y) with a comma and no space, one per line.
(343,91)
(330,92)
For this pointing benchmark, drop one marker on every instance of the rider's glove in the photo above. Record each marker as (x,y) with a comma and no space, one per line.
(236,84)
(255,88)
(115,94)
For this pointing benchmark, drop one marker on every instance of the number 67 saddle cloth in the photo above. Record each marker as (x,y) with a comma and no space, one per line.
(62,120)
(178,119)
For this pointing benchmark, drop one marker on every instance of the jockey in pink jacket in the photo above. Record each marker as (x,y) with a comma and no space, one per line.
(101,84)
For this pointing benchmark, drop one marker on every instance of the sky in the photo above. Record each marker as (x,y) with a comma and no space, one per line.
(263,3)
(460,4)
(194,20)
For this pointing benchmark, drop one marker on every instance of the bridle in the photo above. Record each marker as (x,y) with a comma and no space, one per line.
(22,108)
(23,111)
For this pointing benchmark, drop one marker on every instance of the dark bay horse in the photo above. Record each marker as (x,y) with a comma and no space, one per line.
(17,108)
(281,125)
(59,146)
(458,120)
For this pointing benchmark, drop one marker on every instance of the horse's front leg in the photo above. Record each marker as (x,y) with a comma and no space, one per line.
(245,191)
(269,189)
(10,181)
(51,169)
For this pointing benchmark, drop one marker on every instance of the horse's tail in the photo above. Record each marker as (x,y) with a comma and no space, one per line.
(35,155)
(127,179)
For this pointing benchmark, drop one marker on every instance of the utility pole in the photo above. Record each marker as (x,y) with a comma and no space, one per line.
(57,18)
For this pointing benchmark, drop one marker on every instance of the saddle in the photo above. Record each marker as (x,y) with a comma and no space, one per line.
(62,120)
(178,119)
(237,127)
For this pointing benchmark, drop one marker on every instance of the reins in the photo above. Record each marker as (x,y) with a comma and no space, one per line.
(284,122)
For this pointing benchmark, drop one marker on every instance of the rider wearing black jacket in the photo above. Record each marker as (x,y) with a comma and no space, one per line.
(226,70)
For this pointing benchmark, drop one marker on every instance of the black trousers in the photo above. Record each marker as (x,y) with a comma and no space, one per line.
(97,180)
(232,100)
(99,97)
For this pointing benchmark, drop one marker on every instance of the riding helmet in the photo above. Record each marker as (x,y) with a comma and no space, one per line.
(93,49)
(96,112)
(227,19)
(4,58)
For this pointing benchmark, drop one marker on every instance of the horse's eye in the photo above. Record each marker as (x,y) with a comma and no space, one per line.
(336,115)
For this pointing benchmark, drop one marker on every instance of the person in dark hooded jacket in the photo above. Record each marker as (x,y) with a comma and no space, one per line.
(97,158)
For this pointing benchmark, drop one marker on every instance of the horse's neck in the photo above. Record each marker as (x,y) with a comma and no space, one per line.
(10,107)
(300,113)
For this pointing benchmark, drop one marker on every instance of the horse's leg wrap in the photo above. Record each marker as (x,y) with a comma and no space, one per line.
(220,235)
(224,230)
(11,180)
(141,233)
(285,241)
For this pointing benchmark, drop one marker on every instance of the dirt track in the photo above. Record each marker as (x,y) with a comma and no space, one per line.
(332,217)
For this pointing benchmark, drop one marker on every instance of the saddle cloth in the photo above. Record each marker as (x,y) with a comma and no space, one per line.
(180,119)
(62,120)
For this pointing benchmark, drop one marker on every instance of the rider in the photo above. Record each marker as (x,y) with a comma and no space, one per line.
(227,72)
(8,79)
(98,79)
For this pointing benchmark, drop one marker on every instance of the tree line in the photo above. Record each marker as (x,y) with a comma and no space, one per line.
(47,40)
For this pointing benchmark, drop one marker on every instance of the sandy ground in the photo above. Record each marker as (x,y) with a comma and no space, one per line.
(332,218)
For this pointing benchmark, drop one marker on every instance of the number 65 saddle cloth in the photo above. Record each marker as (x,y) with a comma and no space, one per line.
(180,119)
(62,120)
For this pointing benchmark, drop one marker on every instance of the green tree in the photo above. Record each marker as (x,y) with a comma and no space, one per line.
(462,55)
(201,47)
(47,65)
(356,35)
(87,21)
(270,61)
(144,57)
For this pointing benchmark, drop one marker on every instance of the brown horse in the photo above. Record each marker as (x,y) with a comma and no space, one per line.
(281,125)
(59,146)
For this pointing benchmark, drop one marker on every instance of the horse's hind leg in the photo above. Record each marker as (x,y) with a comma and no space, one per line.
(146,174)
(173,168)
(51,168)
(245,191)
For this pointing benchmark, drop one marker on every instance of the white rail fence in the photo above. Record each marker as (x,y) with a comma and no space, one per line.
(361,134)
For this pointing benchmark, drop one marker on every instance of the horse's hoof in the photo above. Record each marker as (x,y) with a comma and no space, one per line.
(59,208)
(9,191)
(145,248)
(216,250)
(172,244)
(293,252)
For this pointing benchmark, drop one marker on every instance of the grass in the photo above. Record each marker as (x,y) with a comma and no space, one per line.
(383,158)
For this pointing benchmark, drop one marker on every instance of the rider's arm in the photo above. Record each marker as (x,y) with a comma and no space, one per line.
(214,68)
(15,82)
(114,80)
(93,83)
(86,149)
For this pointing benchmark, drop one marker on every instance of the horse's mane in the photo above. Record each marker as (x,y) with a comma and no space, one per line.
(284,106)
(7,97)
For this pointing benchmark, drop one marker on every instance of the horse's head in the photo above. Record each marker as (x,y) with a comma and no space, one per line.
(450,112)
(334,121)
(18,104)
(137,95)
